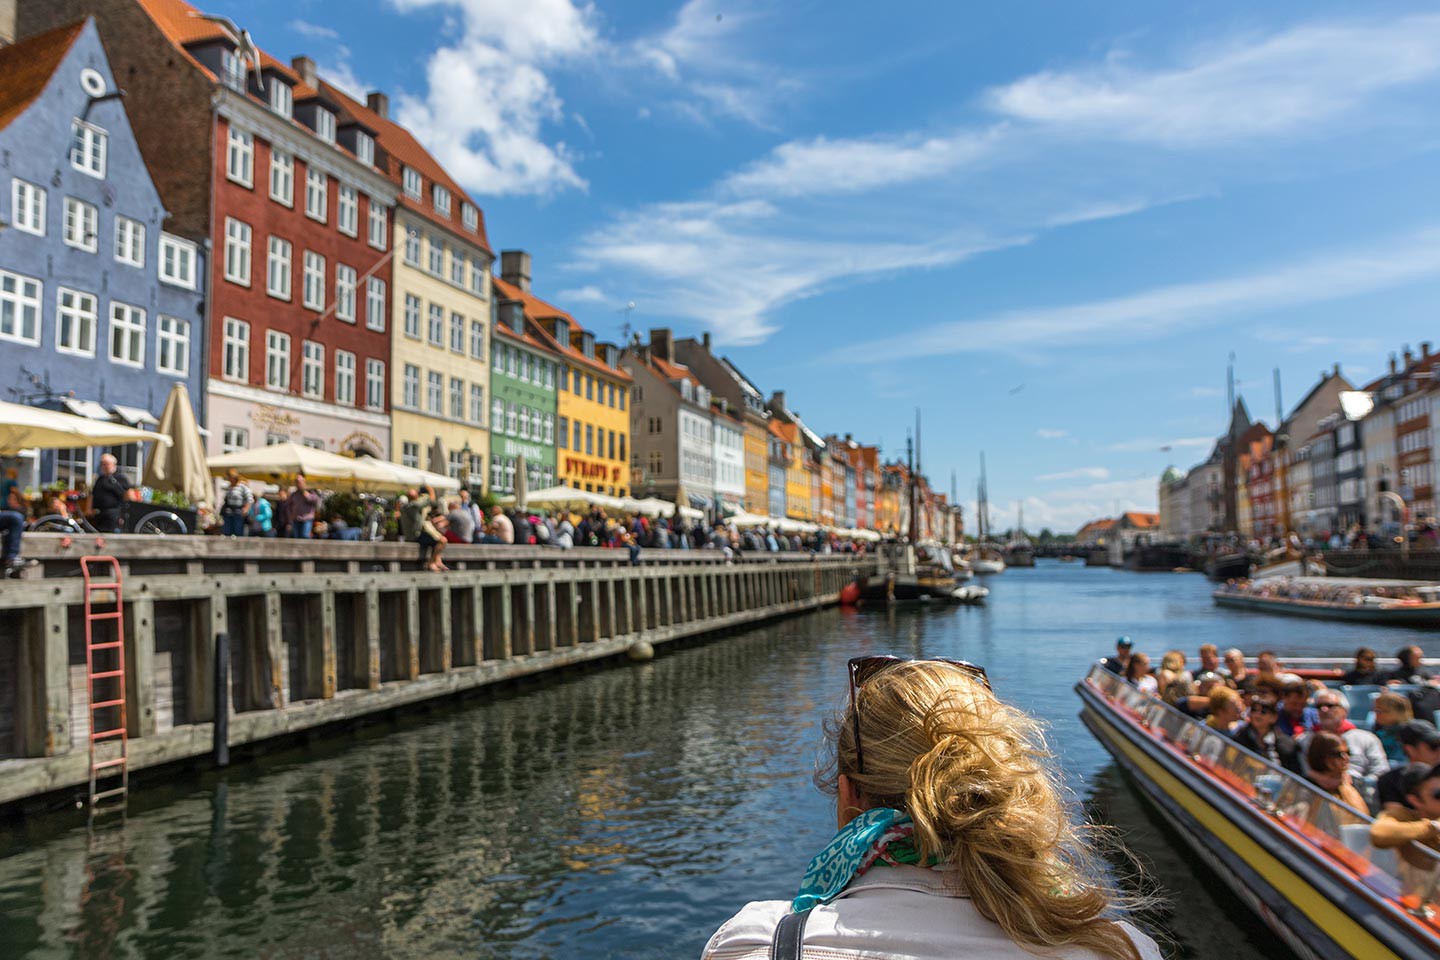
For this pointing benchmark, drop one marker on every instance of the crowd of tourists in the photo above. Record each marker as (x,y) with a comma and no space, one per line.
(1391,769)
(1318,591)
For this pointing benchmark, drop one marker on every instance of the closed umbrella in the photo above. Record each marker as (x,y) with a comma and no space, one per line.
(180,467)
(439,459)
(520,484)
(23,427)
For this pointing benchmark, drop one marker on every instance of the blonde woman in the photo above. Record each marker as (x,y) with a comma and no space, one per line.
(1172,668)
(953,838)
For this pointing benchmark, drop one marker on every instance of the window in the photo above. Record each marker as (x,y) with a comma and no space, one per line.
(82,225)
(437,257)
(232,70)
(347,211)
(441,198)
(314,281)
(410,454)
(497,414)
(477,339)
(457,333)
(240,157)
(512,361)
(549,428)
(379,224)
(277,360)
(345,293)
(277,268)
(471,216)
(172,345)
(365,148)
(325,125)
(564,377)
(589,439)
(549,376)
(457,398)
(622,398)
(589,387)
(375,304)
(129,241)
(282,99)
(312,370)
(510,413)
(412,316)
(435,393)
(75,320)
(477,404)
(622,447)
(411,396)
(524,423)
(575,444)
(316,195)
(237,251)
(282,176)
(127,334)
(497,362)
(657,462)
(563,440)
(413,183)
(477,278)
(457,268)
(87,148)
(412,248)
(27,206)
(236,350)
(234,438)
(375,384)
(437,325)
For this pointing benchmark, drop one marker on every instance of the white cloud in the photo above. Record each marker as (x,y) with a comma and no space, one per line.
(1146,444)
(1079,473)
(1256,86)
(313,30)
(586,294)
(488,97)
(1161,310)
(1067,509)
(1047,433)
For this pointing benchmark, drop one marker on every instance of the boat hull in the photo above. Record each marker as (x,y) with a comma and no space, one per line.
(987,567)
(1418,615)
(1230,566)
(1315,911)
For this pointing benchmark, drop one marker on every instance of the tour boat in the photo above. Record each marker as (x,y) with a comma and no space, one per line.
(1295,855)
(1387,611)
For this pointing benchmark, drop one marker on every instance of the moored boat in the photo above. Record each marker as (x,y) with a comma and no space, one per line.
(1338,598)
(1295,855)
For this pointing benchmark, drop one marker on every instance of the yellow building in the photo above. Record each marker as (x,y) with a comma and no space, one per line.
(440,307)
(757,452)
(797,472)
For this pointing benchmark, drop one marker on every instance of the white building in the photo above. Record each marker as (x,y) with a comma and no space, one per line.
(728,457)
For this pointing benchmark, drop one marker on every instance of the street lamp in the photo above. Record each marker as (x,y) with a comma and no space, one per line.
(465,454)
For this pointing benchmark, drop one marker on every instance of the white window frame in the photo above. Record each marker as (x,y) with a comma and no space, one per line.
(235,350)
(477,404)
(233,70)
(233,439)
(317,194)
(477,340)
(379,223)
(27,206)
(375,304)
(410,388)
(374,384)
(365,148)
(240,157)
(129,241)
(83,311)
(477,278)
(172,345)
(458,260)
(457,398)
(435,326)
(237,251)
(313,286)
(279,267)
(282,178)
(347,210)
(282,98)
(345,293)
(413,309)
(471,216)
(440,199)
(345,378)
(183,255)
(81,225)
(457,333)
(414,183)
(435,392)
(277,361)
(324,124)
(89,147)
(412,248)
(127,332)
(312,370)
(436,263)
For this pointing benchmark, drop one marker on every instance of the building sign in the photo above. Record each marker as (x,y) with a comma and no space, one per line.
(590,470)
(507,447)
(360,441)
(274,420)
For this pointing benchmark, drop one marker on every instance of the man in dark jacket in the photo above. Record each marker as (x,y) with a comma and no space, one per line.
(1261,736)
(108,495)
(1410,669)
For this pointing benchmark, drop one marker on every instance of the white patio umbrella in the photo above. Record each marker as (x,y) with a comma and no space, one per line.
(563,497)
(744,519)
(23,427)
(690,513)
(413,476)
(285,460)
(180,467)
(652,507)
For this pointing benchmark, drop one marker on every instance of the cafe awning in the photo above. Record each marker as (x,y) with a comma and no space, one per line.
(23,426)
(86,408)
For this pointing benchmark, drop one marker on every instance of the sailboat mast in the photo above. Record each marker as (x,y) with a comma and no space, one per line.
(910,493)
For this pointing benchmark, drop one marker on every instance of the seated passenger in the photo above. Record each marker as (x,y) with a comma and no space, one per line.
(1137,671)
(1410,669)
(1224,709)
(1236,674)
(1172,668)
(1392,710)
(1414,821)
(1267,665)
(1117,663)
(1296,716)
(1209,658)
(1329,761)
(1259,734)
(1367,757)
(1421,743)
(1364,671)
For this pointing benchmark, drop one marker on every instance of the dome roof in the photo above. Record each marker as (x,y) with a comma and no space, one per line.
(1171,475)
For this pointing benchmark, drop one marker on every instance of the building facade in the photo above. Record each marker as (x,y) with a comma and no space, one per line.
(101,310)
(735,400)
(671,427)
(524,373)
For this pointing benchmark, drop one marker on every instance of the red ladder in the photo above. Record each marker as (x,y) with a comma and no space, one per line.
(105,668)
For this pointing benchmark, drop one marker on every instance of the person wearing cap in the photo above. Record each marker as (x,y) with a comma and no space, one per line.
(1121,660)
(1421,743)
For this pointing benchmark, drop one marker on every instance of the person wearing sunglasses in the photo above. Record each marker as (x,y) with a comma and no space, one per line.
(1329,761)
(1416,821)
(1367,755)
(953,837)
(1260,734)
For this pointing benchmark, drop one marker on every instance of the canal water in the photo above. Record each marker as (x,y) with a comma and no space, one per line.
(621,812)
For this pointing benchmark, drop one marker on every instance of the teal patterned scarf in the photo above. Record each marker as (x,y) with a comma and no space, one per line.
(880,835)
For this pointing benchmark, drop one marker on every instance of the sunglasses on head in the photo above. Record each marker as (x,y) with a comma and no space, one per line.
(864,669)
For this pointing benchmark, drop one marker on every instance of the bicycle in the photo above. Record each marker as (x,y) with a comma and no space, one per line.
(155,523)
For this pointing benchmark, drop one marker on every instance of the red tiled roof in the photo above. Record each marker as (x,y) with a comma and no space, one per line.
(26,68)
(538,310)
(1142,521)
(673,371)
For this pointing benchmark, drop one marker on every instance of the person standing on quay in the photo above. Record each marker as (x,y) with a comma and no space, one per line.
(302,503)
(236,504)
(504,529)
(108,495)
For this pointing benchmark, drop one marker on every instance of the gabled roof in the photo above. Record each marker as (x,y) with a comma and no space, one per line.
(537,310)
(26,68)
(745,385)
(1141,521)
(673,371)
(534,334)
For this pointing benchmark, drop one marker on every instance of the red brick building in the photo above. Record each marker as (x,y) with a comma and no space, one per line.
(290,196)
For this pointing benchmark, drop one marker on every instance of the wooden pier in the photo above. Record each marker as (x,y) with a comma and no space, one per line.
(304,634)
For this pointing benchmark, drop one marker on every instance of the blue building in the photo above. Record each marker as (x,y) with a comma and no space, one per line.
(101,311)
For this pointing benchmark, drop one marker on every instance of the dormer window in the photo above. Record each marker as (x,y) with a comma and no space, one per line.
(232,71)
(325,125)
(413,183)
(471,216)
(441,198)
(686,391)
(282,99)
(88,146)
(365,148)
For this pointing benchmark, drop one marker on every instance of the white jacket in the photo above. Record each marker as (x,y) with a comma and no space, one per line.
(888,913)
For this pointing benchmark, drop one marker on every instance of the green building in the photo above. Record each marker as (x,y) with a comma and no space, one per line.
(523,375)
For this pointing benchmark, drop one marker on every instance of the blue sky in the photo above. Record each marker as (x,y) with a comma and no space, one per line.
(1046,224)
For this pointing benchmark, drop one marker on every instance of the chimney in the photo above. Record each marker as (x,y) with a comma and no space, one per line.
(662,344)
(1335,371)
(306,68)
(1392,363)
(1424,349)
(515,268)
(777,401)
(705,339)
(378,103)
(1409,357)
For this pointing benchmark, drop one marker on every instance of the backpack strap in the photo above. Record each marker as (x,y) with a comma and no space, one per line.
(789,936)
